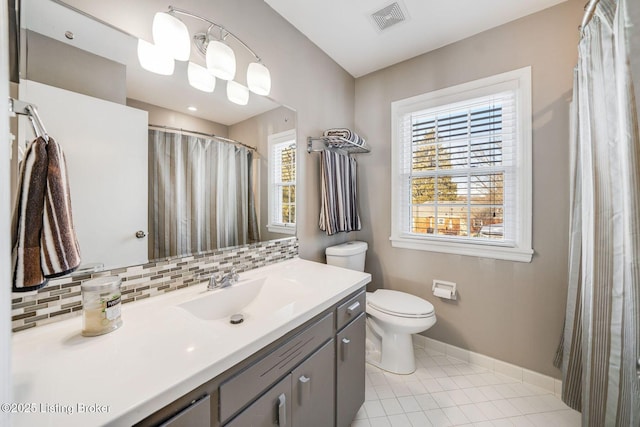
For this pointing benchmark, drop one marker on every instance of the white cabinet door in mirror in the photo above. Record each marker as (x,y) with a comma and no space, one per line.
(95,135)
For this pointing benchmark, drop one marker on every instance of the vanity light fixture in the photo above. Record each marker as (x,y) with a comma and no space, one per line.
(192,108)
(171,36)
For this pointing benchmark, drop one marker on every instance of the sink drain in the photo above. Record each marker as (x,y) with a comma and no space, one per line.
(236,319)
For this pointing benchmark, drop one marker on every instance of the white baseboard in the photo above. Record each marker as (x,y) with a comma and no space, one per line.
(524,375)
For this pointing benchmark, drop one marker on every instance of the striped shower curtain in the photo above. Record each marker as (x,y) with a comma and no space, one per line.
(339,204)
(200,195)
(601,338)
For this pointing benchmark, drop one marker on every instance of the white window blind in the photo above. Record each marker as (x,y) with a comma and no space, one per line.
(458,178)
(282,182)
(460,169)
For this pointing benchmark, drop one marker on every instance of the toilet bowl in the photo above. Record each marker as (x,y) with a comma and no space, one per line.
(392,317)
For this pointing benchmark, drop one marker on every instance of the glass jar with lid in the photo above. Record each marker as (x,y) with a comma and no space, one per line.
(101,303)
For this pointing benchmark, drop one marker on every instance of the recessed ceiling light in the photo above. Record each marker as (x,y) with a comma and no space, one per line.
(192,108)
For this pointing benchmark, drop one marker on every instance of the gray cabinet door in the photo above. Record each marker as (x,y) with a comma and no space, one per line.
(312,390)
(350,371)
(197,414)
(272,409)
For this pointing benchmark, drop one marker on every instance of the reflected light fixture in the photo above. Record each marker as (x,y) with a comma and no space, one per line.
(171,36)
(154,59)
(237,93)
(200,78)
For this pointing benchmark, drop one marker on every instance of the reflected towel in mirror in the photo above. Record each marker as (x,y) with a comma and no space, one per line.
(44,239)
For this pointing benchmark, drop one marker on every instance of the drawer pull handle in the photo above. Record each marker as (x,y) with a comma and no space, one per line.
(304,391)
(353,307)
(282,410)
(345,348)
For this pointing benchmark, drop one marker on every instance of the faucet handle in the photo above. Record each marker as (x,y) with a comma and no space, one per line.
(214,280)
(234,275)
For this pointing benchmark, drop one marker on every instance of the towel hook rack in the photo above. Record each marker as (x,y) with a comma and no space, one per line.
(26,109)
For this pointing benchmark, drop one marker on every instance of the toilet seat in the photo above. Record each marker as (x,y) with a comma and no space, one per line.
(399,304)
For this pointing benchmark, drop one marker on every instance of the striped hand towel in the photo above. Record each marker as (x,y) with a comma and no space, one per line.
(60,249)
(44,240)
(347,134)
(339,206)
(27,219)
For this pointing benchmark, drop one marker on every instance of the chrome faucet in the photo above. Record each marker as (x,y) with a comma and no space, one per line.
(218,281)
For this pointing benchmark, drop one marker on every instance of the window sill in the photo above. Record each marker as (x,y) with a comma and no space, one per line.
(284,229)
(470,249)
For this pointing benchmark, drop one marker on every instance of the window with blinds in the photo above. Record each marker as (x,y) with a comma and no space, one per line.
(460,166)
(282,182)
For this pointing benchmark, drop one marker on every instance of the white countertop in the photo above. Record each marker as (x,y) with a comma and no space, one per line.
(160,353)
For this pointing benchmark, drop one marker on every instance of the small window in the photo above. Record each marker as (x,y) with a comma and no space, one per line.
(462,169)
(282,182)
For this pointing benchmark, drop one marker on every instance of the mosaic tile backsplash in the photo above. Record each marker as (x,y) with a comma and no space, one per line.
(62,299)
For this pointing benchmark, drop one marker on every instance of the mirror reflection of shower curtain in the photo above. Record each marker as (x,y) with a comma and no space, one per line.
(200,195)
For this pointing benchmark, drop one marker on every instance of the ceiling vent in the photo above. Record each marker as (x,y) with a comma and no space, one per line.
(389,16)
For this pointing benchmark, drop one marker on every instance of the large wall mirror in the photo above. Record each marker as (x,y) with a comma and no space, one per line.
(148,179)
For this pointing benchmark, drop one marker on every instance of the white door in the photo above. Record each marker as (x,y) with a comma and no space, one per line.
(106,148)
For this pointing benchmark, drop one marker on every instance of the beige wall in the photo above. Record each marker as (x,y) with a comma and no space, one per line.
(164,117)
(80,72)
(508,310)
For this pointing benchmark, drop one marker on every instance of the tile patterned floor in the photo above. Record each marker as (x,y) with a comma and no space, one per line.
(449,392)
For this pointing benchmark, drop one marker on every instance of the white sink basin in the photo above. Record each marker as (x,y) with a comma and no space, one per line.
(220,303)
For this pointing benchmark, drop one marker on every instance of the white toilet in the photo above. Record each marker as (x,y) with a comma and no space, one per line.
(392,316)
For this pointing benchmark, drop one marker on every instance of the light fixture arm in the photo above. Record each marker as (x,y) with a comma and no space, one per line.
(173,9)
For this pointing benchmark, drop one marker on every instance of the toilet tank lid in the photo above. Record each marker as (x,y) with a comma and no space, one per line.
(347,249)
(399,302)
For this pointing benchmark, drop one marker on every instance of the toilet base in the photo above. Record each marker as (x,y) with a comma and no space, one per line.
(396,356)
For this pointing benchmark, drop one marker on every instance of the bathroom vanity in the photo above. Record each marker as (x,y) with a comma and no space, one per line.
(296,359)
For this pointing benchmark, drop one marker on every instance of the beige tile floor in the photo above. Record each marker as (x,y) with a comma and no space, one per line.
(444,391)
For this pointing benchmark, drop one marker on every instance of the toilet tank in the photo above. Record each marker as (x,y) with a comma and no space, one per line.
(349,255)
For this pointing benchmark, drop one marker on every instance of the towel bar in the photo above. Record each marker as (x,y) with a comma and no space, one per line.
(334,142)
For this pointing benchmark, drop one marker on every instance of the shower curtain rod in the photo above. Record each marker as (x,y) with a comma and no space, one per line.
(589,10)
(210,135)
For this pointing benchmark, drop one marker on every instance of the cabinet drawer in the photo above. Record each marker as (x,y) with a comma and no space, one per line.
(244,387)
(349,310)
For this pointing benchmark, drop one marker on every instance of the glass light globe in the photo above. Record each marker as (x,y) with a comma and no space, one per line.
(221,61)
(172,35)
(200,78)
(258,79)
(154,59)
(237,93)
